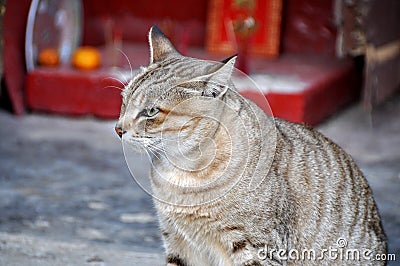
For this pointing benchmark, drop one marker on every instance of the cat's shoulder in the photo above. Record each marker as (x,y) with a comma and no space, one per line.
(299,132)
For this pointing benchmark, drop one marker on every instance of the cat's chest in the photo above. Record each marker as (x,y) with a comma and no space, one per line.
(193,224)
(199,228)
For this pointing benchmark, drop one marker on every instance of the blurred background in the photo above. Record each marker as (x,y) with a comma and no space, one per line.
(66,195)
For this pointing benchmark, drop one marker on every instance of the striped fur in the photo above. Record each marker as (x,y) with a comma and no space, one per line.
(229,181)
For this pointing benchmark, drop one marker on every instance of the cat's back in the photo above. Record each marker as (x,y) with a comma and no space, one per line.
(330,195)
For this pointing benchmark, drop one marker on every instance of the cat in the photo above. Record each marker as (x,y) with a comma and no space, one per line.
(234,186)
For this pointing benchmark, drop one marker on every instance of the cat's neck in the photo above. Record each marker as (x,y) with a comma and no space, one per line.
(227,157)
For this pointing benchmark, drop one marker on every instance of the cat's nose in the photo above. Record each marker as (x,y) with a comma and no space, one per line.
(120,131)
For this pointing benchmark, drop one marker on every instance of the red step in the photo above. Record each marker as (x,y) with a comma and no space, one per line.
(299,88)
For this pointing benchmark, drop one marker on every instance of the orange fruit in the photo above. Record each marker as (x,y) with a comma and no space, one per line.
(48,57)
(86,58)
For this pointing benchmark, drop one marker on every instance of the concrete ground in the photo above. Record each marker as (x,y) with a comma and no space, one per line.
(67,197)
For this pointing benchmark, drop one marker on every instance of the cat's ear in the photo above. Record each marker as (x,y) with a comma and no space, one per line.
(219,80)
(229,59)
(160,46)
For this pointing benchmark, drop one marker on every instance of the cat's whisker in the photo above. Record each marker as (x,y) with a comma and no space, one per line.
(158,149)
(114,78)
(153,151)
(127,59)
(119,73)
(113,87)
(153,147)
(155,155)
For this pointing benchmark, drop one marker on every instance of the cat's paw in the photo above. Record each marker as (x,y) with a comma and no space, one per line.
(252,263)
(175,260)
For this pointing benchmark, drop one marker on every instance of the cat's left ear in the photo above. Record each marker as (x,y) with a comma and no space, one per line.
(219,80)
(160,46)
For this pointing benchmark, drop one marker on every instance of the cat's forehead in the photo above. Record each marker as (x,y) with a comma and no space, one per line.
(159,80)
(150,83)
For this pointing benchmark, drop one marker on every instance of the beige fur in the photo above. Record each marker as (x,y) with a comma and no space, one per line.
(229,180)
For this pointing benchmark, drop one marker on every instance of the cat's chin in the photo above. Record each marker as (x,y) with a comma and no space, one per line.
(134,145)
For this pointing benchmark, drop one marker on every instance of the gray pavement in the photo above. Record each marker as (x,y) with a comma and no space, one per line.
(67,197)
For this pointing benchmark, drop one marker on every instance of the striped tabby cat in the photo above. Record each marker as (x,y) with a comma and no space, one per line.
(233,186)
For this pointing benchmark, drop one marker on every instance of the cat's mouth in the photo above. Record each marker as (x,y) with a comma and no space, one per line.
(142,143)
(137,139)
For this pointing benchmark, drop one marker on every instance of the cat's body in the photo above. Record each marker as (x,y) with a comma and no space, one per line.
(238,187)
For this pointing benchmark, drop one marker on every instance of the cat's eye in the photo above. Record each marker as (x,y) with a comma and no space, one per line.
(149,112)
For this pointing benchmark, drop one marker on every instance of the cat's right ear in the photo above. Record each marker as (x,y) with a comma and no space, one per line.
(229,59)
(220,78)
(160,46)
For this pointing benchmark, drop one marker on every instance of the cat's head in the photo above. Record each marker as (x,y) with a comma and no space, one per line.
(175,98)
